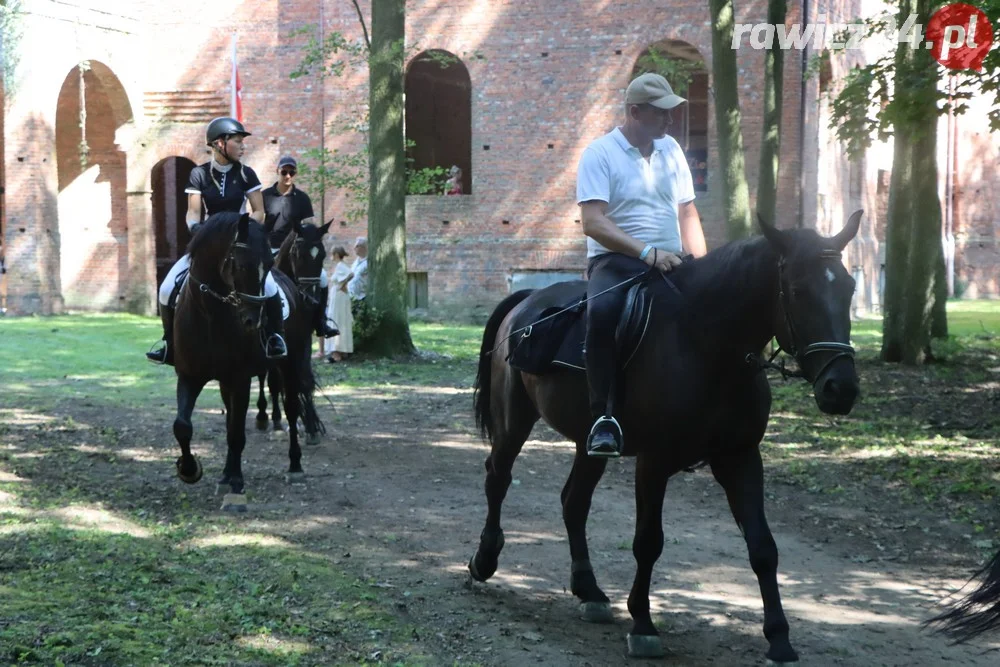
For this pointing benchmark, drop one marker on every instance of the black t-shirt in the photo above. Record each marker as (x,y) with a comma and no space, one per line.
(222,192)
(291,208)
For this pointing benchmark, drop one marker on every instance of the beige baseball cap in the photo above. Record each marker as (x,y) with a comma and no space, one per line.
(652,89)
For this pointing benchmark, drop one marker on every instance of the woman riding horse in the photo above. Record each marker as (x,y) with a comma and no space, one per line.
(219,185)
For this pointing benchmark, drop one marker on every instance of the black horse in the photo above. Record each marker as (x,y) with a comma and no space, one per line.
(217,334)
(976,613)
(300,259)
(694,391)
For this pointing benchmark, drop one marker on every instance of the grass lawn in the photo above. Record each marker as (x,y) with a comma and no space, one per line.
(82,585)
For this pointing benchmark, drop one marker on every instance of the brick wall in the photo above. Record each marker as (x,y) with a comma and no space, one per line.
(85,238)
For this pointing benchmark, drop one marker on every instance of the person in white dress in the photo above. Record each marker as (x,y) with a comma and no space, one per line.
(339,306)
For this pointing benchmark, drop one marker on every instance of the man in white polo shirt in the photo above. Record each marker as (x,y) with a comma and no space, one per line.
(635,192)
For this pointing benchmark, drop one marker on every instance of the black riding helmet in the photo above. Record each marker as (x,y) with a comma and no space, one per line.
(223,127)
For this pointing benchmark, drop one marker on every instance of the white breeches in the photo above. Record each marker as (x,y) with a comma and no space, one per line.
(270,287)
(323,280)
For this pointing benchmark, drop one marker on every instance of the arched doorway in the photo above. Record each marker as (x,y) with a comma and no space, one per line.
(93,215)
(168,179)
(439,113)
(684,67)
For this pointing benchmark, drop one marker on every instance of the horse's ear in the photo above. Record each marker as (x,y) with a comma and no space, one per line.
(774,236)
(849,231)
(243,228)
(325,228)
(298,227)
(269,221)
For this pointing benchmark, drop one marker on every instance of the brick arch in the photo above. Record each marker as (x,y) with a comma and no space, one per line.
(439,113)
(167,180)
(93,210)
(684,67)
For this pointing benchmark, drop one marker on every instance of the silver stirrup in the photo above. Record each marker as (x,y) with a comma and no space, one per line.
(601,420)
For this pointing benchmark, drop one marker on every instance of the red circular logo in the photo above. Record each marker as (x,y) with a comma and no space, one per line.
(959,36)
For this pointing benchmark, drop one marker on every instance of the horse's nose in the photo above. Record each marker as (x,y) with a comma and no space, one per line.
(841,392)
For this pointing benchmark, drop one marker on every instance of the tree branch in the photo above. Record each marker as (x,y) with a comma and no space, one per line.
(364,28)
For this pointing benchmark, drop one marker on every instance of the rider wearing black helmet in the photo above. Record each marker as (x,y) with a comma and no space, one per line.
(222,184)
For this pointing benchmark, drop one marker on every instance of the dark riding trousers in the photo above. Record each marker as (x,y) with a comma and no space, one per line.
(603,312)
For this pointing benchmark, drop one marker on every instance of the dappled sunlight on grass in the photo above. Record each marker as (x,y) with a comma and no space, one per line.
(236,540)
(271,643)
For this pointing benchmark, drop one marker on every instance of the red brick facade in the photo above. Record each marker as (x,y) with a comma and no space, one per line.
(546,79)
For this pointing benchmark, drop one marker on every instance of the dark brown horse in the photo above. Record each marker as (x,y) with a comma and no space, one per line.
(301,260)
(217,334)
(694,391)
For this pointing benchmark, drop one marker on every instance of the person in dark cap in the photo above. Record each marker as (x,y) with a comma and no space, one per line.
(292,205)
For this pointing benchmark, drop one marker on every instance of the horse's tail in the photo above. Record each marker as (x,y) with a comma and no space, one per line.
(977,612)
(307,386)
(481,388)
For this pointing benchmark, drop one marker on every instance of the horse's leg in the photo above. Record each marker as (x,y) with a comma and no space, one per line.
(516,417)
(292,409)
(274,384)
(742,477)
(261,404)
(650,485)
(576,496)
(238,392)
(188,389)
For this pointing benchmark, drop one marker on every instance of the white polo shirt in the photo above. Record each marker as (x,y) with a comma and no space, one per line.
(642,195)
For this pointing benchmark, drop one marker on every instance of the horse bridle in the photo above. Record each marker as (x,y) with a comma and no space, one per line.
(307,287)
(234,298)
(802,353)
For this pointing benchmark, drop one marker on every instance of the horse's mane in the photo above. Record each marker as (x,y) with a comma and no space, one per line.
(738,264)
(216,226)
(281,260)
(218,232)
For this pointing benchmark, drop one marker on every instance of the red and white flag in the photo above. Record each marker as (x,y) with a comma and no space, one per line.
(236,102)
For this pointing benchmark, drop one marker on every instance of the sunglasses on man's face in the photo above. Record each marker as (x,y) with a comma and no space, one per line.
(287,172)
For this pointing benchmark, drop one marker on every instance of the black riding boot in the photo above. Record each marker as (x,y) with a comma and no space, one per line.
(165,354)
(274,327)
(321,321)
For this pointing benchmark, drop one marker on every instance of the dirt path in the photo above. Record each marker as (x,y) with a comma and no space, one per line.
(395,496)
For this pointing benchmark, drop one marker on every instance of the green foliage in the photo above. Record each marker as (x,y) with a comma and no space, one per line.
(677,71)
(11,16)
(874,99)
(367,321)
(331,57)
(322,169)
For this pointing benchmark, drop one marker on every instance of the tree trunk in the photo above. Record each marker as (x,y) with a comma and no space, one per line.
(774,66)
(913,249)
(939,312)
(387,173)
(735,193)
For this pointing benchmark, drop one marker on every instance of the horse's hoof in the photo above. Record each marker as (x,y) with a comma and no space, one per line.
(280,428)
(234,502)
(190,479)
(295,478)
(645,646)
(313,439)
(596,612)
(782,655)
(262,424)
(475,571)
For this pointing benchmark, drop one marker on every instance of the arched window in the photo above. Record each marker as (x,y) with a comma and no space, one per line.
(684,68)
(168,180)
(438,124)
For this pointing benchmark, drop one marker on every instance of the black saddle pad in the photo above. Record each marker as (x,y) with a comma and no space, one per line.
(553,337)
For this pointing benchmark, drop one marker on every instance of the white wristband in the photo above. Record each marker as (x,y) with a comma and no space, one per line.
(645,252)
